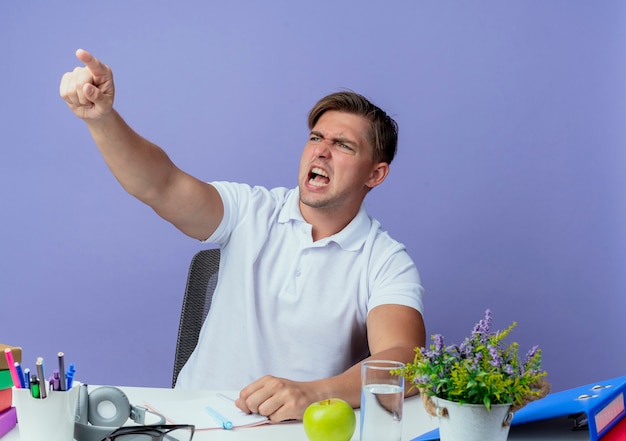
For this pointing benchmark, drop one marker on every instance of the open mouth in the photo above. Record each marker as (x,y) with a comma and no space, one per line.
(318,177)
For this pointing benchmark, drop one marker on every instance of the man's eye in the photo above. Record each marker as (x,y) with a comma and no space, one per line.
(314,138)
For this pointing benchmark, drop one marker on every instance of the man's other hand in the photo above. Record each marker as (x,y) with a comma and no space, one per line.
(277,398)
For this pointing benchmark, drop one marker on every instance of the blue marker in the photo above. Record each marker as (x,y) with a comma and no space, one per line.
(71,371)
(26,378)
(20,375)
(225,423)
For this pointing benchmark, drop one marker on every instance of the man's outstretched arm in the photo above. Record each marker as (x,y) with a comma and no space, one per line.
(141,167)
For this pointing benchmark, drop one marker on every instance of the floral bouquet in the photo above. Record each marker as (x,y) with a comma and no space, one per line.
(481,370)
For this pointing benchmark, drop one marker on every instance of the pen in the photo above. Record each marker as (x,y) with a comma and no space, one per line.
(226,397)
(8,354)
(224,422)
(62,383)
(26,378)
(42,378)
(20,375)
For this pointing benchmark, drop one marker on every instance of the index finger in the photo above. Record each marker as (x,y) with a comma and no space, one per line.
(95,66)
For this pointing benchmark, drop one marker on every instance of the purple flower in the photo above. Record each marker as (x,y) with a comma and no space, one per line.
(531,353)
(481,358)
(422,380)
(473,360)
(465,349)
(438,345)
(483,327)
(496,360)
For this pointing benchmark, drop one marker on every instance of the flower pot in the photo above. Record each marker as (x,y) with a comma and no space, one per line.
(472,422)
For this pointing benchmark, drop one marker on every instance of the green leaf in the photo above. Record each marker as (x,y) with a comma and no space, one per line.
(487,402)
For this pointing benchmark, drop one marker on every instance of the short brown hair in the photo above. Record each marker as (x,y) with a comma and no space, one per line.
(383,133)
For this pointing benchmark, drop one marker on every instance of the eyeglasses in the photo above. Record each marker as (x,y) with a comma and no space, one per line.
(177,432)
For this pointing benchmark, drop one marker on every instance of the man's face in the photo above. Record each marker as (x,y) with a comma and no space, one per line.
(336,166)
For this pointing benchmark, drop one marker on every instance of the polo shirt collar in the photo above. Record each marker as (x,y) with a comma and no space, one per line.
(351,238)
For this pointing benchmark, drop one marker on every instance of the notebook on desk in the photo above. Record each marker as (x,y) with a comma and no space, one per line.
(214,411)
(600,407)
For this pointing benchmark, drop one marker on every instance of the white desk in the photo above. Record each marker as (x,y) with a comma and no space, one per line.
(415,422)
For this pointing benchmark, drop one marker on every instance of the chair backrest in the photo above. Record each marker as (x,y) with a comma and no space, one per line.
(201,282)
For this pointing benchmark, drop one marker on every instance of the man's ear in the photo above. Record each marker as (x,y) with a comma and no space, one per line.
(378,174)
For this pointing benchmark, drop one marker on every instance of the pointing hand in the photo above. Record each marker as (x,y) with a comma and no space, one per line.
(89,90)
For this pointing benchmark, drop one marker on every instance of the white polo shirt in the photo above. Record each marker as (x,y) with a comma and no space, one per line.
(285,305)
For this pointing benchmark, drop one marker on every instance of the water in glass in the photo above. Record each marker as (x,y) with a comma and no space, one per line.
(381,412)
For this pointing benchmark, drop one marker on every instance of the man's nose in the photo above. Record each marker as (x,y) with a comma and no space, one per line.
(323,148)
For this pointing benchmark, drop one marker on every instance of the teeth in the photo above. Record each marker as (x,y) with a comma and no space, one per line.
(315,172)
(319,171)
(317,184)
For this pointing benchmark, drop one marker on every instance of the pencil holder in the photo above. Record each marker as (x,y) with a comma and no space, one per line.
(51,418)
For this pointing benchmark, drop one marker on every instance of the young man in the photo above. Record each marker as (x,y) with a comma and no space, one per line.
(309,284)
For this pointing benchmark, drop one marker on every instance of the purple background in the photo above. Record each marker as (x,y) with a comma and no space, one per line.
(508,188)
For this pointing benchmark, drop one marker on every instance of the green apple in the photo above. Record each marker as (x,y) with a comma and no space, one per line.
(329,420)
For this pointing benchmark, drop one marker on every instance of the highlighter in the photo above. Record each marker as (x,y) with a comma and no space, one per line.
(34,386)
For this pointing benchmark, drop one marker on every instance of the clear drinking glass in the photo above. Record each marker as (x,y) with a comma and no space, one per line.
(382,400)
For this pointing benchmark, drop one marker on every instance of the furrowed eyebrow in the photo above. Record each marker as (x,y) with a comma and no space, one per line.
(346,141)
(335,140)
